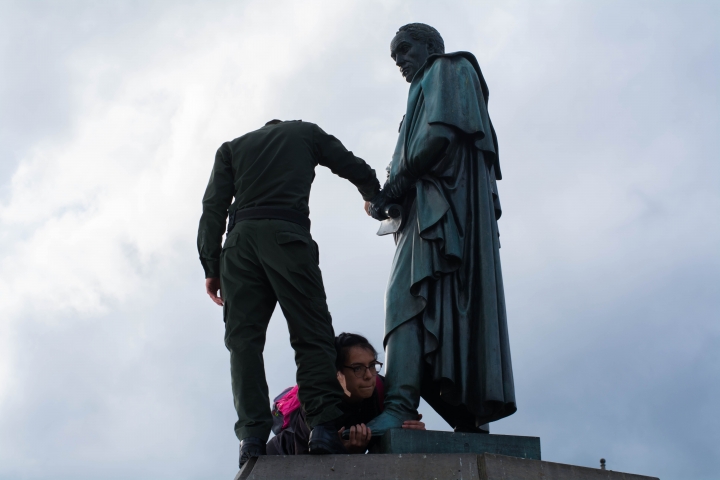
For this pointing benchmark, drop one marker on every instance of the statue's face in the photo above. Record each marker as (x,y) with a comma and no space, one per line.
(409,54)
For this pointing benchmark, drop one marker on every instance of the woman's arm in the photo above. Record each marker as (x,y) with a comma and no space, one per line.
(360,436)
(414,424)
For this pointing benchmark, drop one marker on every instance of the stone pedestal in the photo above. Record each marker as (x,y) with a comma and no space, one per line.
(419,455)
(499,467)
(417,441)
(447,466)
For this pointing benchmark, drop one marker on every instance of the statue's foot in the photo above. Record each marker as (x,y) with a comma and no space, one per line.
(384,422)
(484,429)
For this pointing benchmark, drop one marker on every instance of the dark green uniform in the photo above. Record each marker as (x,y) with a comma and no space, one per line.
(269,256)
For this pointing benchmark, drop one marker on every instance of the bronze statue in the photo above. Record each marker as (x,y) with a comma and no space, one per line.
(446,334)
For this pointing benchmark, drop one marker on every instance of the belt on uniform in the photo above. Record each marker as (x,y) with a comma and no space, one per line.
(255,213)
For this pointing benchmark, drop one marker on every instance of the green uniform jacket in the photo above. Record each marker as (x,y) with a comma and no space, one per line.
(272,167)
(447,263)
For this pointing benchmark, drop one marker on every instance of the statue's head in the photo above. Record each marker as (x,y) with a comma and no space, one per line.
(412,44)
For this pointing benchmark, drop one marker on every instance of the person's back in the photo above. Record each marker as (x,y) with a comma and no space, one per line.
(272,168)
(269,257)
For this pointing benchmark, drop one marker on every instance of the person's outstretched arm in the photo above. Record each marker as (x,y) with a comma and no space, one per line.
(217,199)
(333,154)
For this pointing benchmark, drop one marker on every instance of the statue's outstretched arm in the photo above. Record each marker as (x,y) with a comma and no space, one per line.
(424,153)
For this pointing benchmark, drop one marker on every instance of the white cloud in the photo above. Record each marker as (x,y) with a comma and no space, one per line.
(100,216)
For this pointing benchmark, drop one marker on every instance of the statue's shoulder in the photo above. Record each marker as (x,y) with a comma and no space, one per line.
(452,67)
(460,62)
(449,68)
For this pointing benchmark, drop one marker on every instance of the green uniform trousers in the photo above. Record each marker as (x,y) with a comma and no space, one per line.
(264,262)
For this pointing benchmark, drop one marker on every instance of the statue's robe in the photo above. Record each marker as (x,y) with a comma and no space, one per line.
(446,269)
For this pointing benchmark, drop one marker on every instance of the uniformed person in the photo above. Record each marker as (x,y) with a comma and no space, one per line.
(268,257)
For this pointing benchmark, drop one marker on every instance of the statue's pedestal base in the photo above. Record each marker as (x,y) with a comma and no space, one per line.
(399,440)
(418,466)
(420,455)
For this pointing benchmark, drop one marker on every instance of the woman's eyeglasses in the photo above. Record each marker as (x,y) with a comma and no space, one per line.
(359,370)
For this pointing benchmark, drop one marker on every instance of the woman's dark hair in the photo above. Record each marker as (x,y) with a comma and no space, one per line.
(344,342)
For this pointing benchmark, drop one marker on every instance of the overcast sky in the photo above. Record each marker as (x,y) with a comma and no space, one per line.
(112,363)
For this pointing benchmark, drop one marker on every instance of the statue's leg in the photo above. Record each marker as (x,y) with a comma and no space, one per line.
(403,374)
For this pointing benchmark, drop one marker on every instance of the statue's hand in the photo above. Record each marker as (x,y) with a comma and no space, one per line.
(377,212)
(377,207)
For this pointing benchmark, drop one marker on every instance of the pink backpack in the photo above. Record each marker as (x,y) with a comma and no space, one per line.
(288,401)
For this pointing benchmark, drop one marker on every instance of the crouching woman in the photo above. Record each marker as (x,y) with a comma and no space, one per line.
(357,371)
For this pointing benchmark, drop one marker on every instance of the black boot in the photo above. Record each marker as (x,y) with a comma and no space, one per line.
(324,440)
(251,447)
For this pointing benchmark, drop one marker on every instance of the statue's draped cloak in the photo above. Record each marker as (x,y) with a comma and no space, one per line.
(446,269)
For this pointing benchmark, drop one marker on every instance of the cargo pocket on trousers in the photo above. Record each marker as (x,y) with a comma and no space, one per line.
(289,237)
(230,242)
(301,248)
